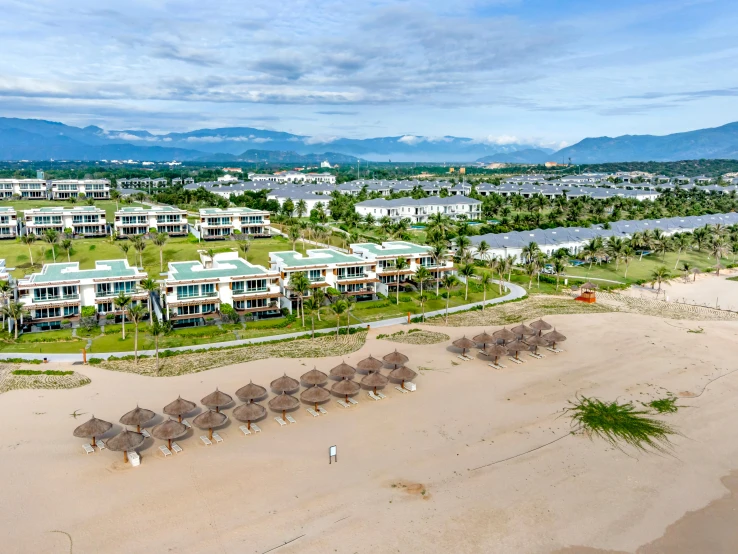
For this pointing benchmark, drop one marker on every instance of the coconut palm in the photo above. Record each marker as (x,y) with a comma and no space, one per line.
(150,286)
(719,247)
(531,269)
(448,281)
(14,311)
(659,276)
(293,233)
(529,252)
(121,302)
(160,239)
(136,313)
(485,279)
(244,246)
(312,306)
(300,283)
(338,307)
(400,265)
(462,248)
(483,251)
(559,267)
(157,330)
(51,237)
(439,252)
(139,245)
(5,289)
(422,276)
(628,255)
(467,270)
(28,239)
(701,237)
(318,295)
(614,249)
(66,245)
(350,302)
(125,247)
(681,242)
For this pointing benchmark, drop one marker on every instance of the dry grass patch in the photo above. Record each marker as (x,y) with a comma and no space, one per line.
(18,382)
(416,336)
(659,308)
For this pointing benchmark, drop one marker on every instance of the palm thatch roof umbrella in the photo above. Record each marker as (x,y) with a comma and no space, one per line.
(314,377)
(179,408)
(517,346)
(217,400)
(284,384)
(250,392)
(169,430)
(92,428)
(589,286)
(283,402)
(504,335)
(396,358)
(137,417)
(343,371)
(249,412)
(314,395)
(346,387)
(464,343)
(523,331)
(540,326)
(553,337)
(208,420)
(374,380)
(124,441)
(402,374)
(370,364)
(496,350)
(484,338)
(537,341)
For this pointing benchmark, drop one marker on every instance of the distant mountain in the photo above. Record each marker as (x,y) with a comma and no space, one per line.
(527,156)
(714,143)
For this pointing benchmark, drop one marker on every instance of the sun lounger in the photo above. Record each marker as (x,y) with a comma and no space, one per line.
(322,410)
(146,434)
(245,430)
(467,357)
(412,387)
(496,366)
(399,388)
(554,350)
(462,358)
(205,440)
(101,444)
(177,448)
(217,437)
(352,402)
(312,412)
(255,428)
(381,395)
(373,396)
(165,450)
(515,360)
(343,404)
(134,458)
(536,356)
(291,419)
(281,421)
(186,424)
(88,448)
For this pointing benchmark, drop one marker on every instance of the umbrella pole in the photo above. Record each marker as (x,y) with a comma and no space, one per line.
(170,444)
(248,425)
(375,390)
(217,409)
(210,433)
(403,384)
(125,457)
(180,418)
(284,414)
(138,428)
(93,442)
(316,406)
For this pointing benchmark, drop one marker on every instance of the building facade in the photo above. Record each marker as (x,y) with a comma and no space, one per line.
(216,223)
(87,221)
(8,223)
(23,188)
(63,189)
(133,221)
(419,210)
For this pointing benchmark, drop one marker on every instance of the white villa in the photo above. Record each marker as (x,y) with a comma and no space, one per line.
(98,189)
(8,223)
(23,188)
(132,221)
(216,223)
(86,221)
(419,210)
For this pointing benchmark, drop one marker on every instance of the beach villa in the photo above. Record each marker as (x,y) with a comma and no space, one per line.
(216,223)
(87,221)
(133,221)
(8,223)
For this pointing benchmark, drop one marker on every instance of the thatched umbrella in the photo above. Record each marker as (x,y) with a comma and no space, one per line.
(537,341)
(314,395)
(496,350)
(517,346)
(217,400)
(208,420)
(484,338)
(314,377)
(504,335)
(284,384)
(250,392)
(124,441)
(540,326)
(464,343)
(395,358)
(283,402)
(553,337)
(249,412)
(589,286)
(370,364)
(523,331)
(346,387)
(343,371)
(137,417)
(179,408)
(374,380)
(92,428)
(169,430)
(403,374)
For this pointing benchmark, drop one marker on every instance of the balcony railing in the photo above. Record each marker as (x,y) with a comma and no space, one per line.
(114,293)
(352,277)
(56,298)
(250,291)
(199,295)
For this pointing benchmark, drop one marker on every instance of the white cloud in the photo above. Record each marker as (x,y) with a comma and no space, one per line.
(320,139)
(410,140)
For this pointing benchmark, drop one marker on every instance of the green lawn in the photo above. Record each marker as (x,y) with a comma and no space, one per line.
(109,206)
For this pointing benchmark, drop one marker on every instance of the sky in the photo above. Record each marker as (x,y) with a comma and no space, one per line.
(537,72)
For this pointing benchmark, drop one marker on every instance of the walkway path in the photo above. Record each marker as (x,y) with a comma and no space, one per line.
(515,292)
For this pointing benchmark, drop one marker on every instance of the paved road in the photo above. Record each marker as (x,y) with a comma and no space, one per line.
(514,292)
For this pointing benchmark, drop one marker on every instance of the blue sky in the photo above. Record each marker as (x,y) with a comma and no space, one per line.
(548,72)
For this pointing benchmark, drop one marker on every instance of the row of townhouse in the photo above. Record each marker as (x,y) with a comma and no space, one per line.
(131,221)
(61,189)
(148,182)
(282,177)
(87,221)
(217,223)
(575,238)
(419,210)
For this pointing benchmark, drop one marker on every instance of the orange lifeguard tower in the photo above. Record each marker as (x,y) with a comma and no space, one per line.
(587,293)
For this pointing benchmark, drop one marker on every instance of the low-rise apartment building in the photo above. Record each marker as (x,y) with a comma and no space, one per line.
(216,223)
(325,268)
(87,221)
(133,221)
(61,290)
(23,188)
(197,289)
(385,257)
(419,210)
(8,223)
(283,177)
(62,189)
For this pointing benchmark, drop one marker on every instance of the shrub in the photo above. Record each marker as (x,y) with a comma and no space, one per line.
(88,311)
(39,372)
(229,313)
(92,247)
(94,361)
(333,292)
(405,298)
(19,361)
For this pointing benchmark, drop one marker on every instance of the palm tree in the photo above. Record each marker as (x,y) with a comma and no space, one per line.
(300,208)
(701,236)
(639,242)
(719,248)
(124,246)
(318,295)
(244,246)
(508,264)
(66,244)
(160,239)
(51,237)
(157,330)
(139,245)
(137,313)
(422,276)
(338,307)
(350,301)
(400,265)
(312,306)
(628,255)
(614,249)
(14,311)
(559,267)
(121,302)
(439,253)
(293,233)
(485,279)
(659,276)
(483,251)
(300,283)
(448,281)
(462,246)
(150,286)
(5,289)
(531,268)
(682,242)
(28,239)
(529,252)
(467,270)
(662,244)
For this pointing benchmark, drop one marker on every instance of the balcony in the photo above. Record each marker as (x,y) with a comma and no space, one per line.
(213,294)
(250,291)
(352,277)
(56,298)
(113,294)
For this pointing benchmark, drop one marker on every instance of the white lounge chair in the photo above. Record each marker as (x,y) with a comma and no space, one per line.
(177,448)
(217,437)
(322,410)
(205,440)
(343,404)
(495,366)
(165,450)
(381,395)
(146,434)
(536,355)
(245,430)
(101,444)
(312,412)
(462,358)
(281,421)
(403,391)
(255,428)
(554,350)
(373,396)
(134,458)
(515,360)
(186,424)
(291,419)
(352,401)
(409,385)
(468,357)
(88,448)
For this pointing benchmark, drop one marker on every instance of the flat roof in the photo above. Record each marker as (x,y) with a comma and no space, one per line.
(7,209)
(62,209)
(393,248)
(320,256)
(72,272)
(140,210)
(218,211)
(231,267)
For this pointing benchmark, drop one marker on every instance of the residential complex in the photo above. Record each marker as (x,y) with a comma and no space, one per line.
(282,177)
(61,290)
(99,189)
(216,223)
(23,188)
(196,289)
(419,210)
(86,221)
(132,221)
(8,223)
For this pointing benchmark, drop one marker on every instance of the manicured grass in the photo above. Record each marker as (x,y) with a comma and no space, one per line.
(109,206)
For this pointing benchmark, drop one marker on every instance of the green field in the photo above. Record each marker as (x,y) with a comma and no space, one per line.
(109,206)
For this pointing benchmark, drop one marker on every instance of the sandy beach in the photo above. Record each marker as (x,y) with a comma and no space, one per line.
(443,469)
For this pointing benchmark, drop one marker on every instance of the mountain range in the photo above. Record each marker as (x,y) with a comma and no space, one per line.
(35,139)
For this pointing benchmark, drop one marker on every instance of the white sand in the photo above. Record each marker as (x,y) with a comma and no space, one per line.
(252,494)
